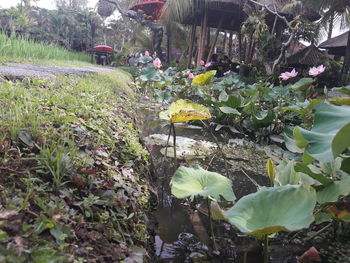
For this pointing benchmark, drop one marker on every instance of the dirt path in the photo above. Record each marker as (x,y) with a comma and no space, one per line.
(20,70)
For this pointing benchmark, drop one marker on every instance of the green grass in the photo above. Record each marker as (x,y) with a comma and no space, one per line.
(75,180)
(24,48)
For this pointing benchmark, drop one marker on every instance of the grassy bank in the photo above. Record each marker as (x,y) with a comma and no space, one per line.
(70,189)
(24,48)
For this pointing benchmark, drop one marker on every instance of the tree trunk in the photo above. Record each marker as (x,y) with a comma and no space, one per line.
(192,41)
(330,27)
(169,46)
(241,55)
(224,42)
(346,65)
(215,40)
(230,45)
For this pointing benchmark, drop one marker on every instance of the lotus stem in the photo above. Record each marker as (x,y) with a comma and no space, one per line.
(266,249)
(211,225)
(174,141)
(318,232)
(245,257)
(167,145)
(253,181)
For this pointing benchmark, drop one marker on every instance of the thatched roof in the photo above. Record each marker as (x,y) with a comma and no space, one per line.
(309,56)
(231,11)
(336,45)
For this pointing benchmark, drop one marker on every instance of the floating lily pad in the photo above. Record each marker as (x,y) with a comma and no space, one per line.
(191,182)
(274,209)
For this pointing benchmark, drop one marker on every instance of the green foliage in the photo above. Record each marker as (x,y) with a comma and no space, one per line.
(74,149)
(270,210)
(192,182)
(26,48)
(203,79)
(185,110)
(329,136)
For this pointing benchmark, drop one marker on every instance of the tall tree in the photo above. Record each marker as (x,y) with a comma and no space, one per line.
(336,10)
(107,7)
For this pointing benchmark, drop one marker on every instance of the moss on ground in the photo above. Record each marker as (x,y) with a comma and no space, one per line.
(70,184)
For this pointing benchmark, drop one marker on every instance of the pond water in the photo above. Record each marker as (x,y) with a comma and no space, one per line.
(182,229)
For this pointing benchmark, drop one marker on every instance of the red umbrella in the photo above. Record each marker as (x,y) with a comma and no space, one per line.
(152,9)
(103,48)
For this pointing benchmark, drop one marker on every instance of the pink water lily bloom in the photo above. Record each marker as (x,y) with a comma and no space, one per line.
(202,63)
(147,53)
(157,63)
(288,75)
(315,71)
(190,76)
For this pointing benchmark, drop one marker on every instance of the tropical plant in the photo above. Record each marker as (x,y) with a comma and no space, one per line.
(192,182)
(291,210)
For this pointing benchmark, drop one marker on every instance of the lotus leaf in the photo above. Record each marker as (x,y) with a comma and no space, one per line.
(345,90)
(331,192)
(340,211)
(303,168)
(345,165)
(303,108)
(229,110)
(286,173)
(340,100)
(203,79)
(302,84)
(263,118)
(330,133)
(191,182)
(274,209)
(185,110)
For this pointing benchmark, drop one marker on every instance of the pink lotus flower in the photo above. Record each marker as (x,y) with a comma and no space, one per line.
(316,71)
(208,64)
(147,53)
(201,63)
(311,255)
(227,72)
(190,76)
(288,75)
(157,63)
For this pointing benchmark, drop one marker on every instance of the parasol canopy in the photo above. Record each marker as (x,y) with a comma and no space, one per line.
(152,9)
(102,48)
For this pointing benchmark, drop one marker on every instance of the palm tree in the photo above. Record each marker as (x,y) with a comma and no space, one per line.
(335,10)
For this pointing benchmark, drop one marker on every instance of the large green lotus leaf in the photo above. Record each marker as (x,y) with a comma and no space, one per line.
(190,182)
(331,192)
(302,84)
(203,79)
(185,110)
(329,135)
(345,90)
(274,209)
